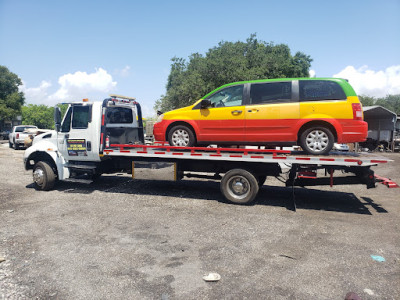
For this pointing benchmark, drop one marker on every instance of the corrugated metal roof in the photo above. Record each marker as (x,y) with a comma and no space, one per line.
(377,111)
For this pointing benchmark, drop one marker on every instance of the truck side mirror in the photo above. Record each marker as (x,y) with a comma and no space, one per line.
(205,103)
(57,118)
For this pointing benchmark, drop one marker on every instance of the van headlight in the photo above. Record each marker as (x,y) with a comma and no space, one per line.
(160,118)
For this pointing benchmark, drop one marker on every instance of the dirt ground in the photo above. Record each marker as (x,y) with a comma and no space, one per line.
(124,239)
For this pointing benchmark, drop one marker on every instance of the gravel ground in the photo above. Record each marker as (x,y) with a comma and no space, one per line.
(124,239)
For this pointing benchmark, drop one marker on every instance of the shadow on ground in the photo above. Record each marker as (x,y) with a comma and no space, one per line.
(210,190)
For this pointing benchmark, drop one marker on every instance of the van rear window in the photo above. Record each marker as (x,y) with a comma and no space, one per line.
(317,90)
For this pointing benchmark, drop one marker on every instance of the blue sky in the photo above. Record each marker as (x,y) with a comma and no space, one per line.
(69,50)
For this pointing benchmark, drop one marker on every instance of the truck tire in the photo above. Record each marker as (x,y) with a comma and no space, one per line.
(261,180)
(239,186)
(43,176)
(317,140)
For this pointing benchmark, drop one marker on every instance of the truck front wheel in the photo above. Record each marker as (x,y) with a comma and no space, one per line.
(239,186)
(43,176)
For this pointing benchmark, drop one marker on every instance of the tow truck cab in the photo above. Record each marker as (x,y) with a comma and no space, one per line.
(76,146)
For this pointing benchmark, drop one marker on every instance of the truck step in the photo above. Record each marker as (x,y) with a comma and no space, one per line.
(78,180)
(81,167)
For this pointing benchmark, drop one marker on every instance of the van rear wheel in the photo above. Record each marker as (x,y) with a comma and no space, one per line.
(317,140)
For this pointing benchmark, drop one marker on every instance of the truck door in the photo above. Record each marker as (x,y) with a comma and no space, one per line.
(77,138)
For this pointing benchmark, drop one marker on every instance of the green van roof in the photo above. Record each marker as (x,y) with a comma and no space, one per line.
(347,88)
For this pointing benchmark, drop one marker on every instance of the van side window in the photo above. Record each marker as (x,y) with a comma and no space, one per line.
(316,90)
(272,92)
(66,125)
(119,115)
(80,117)
(230,96)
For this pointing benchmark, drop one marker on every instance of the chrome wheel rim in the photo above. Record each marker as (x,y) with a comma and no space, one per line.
(38,176)
(317,140)
(180,138)
(238,187)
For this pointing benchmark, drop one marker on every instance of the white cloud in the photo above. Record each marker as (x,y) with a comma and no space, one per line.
(123,72)
(83,85)
(372,83)
(72,87)
(36,95)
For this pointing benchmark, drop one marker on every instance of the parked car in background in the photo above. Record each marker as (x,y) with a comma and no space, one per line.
(340,147)
(4,135)
(17,136)
(311,112)
(31,133)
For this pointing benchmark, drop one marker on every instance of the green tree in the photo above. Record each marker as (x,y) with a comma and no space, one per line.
(390,102)
(229,62)
(39,115)
(11,100)
(367,100)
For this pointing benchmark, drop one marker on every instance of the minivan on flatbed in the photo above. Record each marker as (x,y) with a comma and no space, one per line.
(311,112)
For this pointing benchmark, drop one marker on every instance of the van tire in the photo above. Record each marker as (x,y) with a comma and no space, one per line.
(44,176)
(181,136)
(317,140)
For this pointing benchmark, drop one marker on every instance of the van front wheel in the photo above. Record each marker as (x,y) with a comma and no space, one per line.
(317,140)
(181,136)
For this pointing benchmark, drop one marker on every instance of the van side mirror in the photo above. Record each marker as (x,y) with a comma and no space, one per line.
(205,103)
(57,118)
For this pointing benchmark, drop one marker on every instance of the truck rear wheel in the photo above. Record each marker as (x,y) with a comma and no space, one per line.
(43,176)
(239,186)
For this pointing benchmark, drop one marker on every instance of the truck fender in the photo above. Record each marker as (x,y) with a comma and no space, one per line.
(46,152)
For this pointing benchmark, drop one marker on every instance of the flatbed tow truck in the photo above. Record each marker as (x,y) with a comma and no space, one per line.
(107,137)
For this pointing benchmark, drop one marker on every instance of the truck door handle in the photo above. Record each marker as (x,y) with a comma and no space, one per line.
(67,136)
(236,112)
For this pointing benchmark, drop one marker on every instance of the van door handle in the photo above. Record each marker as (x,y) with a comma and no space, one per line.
(236,112)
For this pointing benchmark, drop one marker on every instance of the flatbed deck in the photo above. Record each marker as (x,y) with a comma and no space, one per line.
(244,155)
